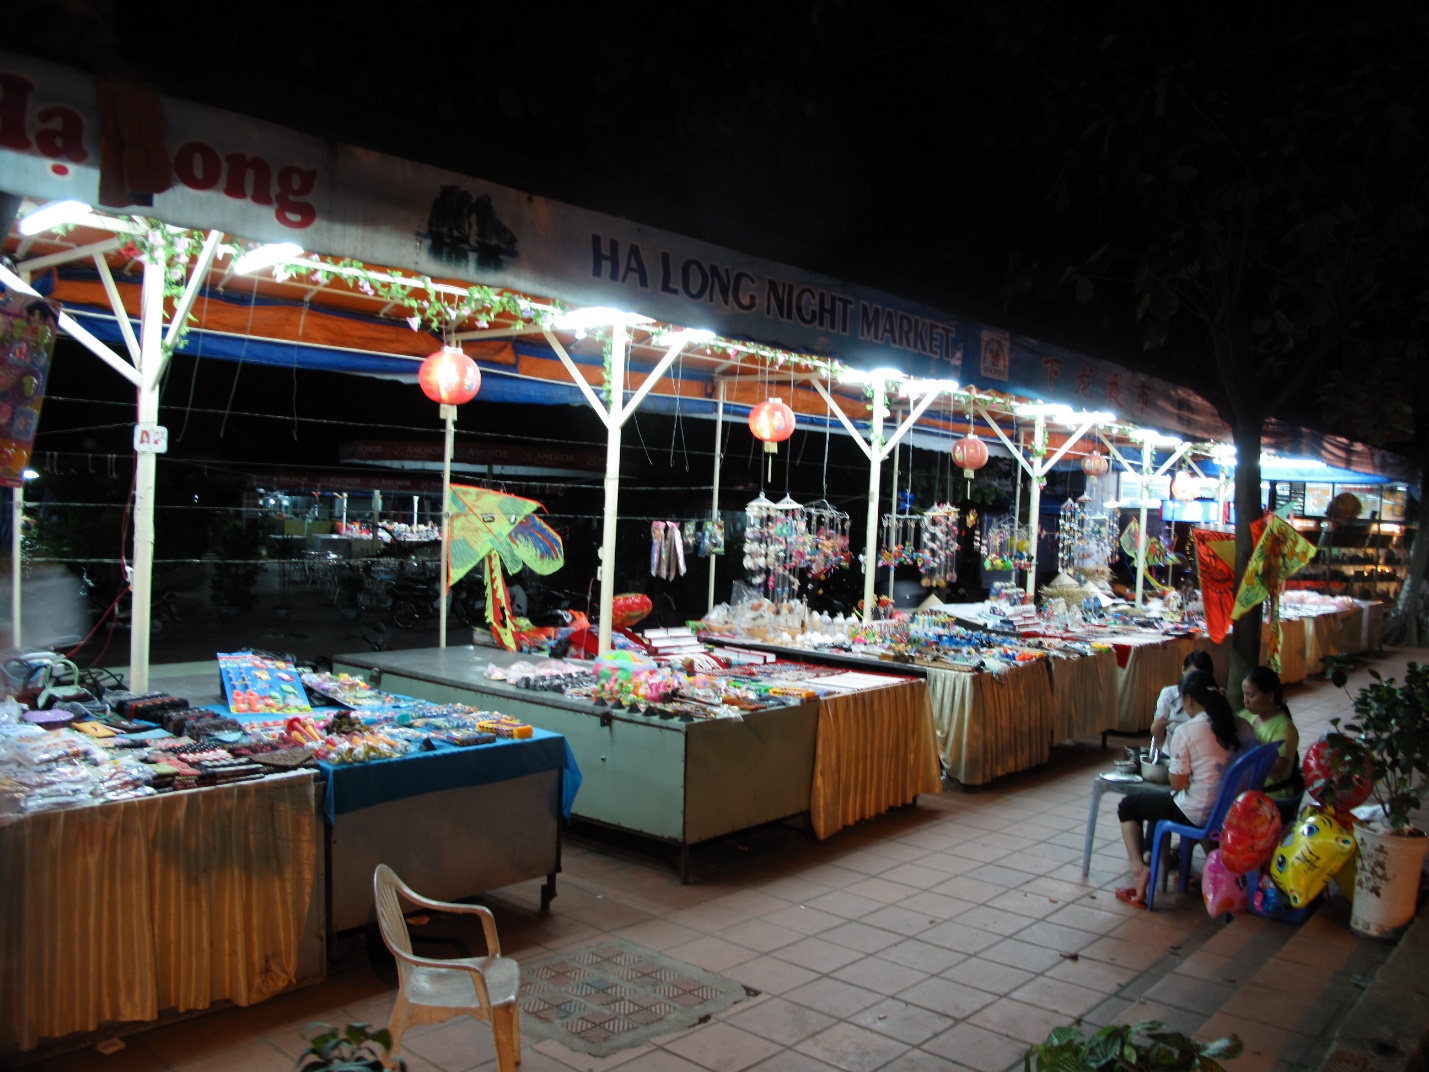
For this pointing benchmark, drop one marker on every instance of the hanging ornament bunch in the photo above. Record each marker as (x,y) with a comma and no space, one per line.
(776,546)
(1086,538)
(900,540)
(1006,545)
(938,556)
(828,533)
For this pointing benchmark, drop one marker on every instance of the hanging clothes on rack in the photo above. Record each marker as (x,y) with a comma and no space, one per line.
(667,550)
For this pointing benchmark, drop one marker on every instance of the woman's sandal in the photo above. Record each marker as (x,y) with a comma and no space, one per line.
(1127,895)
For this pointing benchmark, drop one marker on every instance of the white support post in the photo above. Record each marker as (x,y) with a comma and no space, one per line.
(1147,450)
(875,475)
(416,501)
(618,342)
(344,510)
(151,356)
(893,499)
(121,315)
(17,516)
(714,494)
(1034,499)
(448,414)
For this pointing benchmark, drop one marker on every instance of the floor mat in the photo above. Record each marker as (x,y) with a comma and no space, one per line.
(615,994)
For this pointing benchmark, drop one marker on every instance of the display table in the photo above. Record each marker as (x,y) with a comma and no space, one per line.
(1083,693)
(678,782)
(489,817)
(841,759)
(119,912)
(875,750)
(1292,648)
(992,724)
(1145,666)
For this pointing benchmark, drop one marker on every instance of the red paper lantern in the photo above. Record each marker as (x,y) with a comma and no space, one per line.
(969,453)
(772,421)
(1096,464)
(1183,486)
(449,376)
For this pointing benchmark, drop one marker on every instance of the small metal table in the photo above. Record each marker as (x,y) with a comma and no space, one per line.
(1104,784)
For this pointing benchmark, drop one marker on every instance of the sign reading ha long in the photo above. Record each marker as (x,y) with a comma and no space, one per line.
(262,182)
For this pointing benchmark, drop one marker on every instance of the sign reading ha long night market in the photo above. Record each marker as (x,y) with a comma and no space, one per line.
(263,182)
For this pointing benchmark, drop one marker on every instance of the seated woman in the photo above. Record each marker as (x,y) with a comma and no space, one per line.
(1269,715)
(1169,712)
(1201,750)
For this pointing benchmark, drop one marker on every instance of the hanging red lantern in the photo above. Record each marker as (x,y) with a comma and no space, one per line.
(1096,464)
(773,422)
(449,376)
(969,453)
(1183,486)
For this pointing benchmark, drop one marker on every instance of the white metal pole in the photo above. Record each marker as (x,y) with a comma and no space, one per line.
(1147,447)
(344,511)
(612,485)
(875,474)
(714,495)
(17,515)
(415,500)
(1034,500)
(449,416)
(151,327)
(893,499)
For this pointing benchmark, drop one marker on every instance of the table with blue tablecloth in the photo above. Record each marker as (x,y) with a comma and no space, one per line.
(452,822)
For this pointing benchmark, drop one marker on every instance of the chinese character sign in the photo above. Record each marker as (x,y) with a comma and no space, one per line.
(27,342)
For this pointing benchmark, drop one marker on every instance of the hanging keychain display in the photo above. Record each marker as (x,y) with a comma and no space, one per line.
(1006,545)
(938,555)
(1086,539)
(776,546)
(828,532)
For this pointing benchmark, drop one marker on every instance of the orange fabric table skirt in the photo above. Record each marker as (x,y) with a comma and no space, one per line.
(875,750)
(121,911)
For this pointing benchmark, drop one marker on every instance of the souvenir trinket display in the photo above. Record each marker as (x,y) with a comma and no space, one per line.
(1006,545)
(937,558)
(828,529)
(776,546)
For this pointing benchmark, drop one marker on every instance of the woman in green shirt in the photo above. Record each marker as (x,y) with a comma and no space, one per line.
(1266,711)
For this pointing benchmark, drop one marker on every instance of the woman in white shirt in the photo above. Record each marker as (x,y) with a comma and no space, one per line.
(1169,712)
(1201,750)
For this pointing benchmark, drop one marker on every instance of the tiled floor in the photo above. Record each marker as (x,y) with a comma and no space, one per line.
(950,935)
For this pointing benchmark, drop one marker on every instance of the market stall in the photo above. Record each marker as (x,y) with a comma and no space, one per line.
(841,757)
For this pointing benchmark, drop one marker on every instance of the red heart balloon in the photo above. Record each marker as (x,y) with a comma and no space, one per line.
(1330,771)
(1250,833)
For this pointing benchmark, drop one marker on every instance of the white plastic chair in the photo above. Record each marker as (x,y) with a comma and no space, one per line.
(430,990)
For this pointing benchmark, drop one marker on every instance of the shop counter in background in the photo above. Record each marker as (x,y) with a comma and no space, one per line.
(117,912)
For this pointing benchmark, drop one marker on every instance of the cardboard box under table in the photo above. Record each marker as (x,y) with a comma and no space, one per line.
(679,782)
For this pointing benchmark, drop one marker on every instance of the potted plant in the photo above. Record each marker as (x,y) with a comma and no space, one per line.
(236,570)
(1391,737)
(1128,1048)
(355,1048)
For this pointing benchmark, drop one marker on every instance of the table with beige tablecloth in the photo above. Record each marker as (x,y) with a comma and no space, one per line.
(1145,666)
(875,750)
(122,911)
(1083,694)
(992,724)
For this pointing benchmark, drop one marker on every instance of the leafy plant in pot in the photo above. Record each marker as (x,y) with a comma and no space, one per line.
(1390,737)
(354,1048)
(1128,1048)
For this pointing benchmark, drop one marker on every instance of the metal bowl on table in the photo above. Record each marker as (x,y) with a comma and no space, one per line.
(1155,772)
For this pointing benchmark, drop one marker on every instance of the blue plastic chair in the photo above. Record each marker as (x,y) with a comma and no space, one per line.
(1247,772)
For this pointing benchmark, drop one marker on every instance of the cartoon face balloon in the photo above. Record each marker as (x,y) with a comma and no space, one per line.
(1313,850)
(1250,833)
(1330,768)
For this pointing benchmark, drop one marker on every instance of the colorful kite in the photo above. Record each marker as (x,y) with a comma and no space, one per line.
(1280,553)
(496,530)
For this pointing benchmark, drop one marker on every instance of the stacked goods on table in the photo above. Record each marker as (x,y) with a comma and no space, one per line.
(127,745)
(626,681)
(934,638)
